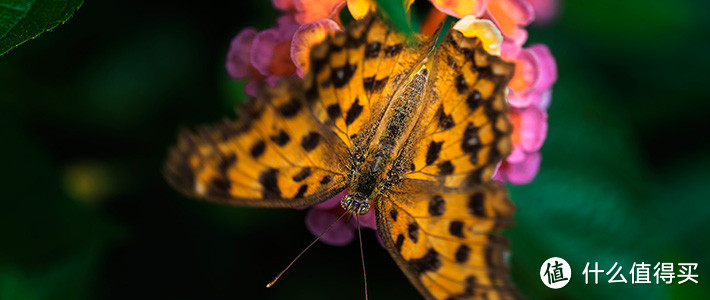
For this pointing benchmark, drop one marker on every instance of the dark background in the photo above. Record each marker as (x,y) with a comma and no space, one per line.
(88,111)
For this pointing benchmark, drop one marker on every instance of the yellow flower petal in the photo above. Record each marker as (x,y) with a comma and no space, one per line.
(485,30)
(359,8)
(459,8)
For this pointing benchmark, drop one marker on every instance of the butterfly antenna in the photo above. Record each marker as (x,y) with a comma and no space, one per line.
(270,284)
(362,257)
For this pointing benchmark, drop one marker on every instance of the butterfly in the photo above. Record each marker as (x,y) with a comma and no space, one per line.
(413,131)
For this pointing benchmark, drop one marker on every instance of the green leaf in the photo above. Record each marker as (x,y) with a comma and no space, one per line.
(21,20)
(395,11)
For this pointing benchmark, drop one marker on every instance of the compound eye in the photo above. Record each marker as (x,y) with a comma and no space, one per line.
(346,202)
(364,209)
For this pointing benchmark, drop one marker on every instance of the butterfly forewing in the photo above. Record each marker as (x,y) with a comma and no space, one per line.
(275,154)
(465,133)
(355,73)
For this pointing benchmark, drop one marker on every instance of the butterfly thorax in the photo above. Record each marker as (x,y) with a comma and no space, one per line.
(371,176)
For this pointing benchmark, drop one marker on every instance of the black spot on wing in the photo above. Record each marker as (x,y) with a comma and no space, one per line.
(393,214)
(413,232)
(318,64)
(460,84)
(372,50)
(445,121)
(473,158)
(474,177)
(219,187)
(326,83)
(474,100)
(354,112)
(490,112)
(445,168)
(310,141)
(370,84)
(312,93)
(301,191)
(431,261)
(483,72)
(469,141)
(341,76)
(257,149)
(475,205)
(290,108)
(399,242)
(269,184)
(333,111)
(462,253)
(280,138)
(326,179)
(226,163)
(393,50)
(470,286)
(432,153)
(302,174)
(437,206)
(456,228)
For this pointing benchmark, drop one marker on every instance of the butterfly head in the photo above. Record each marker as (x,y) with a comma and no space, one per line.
(355,204)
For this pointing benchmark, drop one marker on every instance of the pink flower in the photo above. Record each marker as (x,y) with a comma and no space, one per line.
(307,11)
(265,55)
(530,95)
(519,173)
(238,62)
(545,10)
(511,16)
(271,50)
(283,4)
(320,216)
(530,131)
(535,72)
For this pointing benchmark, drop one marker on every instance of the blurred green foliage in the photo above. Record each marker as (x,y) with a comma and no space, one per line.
(88,111)
(21,20)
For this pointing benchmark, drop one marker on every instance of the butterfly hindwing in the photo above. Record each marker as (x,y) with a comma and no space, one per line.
(465,133)
(275,154)
(447,243)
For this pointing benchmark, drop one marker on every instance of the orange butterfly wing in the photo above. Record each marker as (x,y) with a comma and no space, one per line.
(447,243)
(441,222)
(275,155)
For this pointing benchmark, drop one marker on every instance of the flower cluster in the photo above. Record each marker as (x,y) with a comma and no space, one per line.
(284,49)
